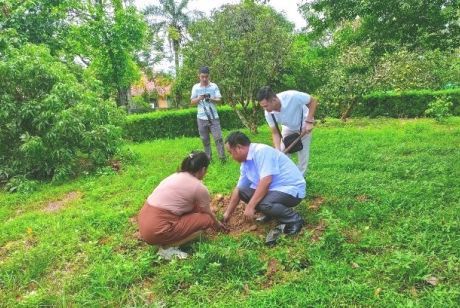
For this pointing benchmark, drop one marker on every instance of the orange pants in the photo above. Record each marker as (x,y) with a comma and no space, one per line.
(161,227)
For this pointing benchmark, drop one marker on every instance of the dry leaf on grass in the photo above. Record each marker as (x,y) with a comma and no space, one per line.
(432,281)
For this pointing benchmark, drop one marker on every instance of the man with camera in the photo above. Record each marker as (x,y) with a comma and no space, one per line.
(295,111)
(204,95)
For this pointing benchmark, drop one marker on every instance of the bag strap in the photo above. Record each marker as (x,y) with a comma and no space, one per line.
(276,124)
(301,120)
(207,113)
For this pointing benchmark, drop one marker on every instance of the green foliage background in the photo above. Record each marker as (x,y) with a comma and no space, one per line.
(49,120)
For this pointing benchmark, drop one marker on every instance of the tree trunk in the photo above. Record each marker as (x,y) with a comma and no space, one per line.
(346,114)
(248,123)
(123,96)
(176,47)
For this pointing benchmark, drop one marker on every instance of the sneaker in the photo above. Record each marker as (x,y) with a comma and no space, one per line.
(171,252)
(294,228)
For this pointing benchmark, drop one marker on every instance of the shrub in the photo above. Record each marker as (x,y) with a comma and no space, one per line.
(410,70)
(403,104)
(439,109)
(175,123)
(139,104)
(48,121)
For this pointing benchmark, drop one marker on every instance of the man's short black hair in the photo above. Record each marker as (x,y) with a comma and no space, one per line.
(237,138)
(204,70)
(265,93)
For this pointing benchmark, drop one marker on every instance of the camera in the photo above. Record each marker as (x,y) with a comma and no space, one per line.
(207,96)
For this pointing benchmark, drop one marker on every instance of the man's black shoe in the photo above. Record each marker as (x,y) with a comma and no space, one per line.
(264,219)
(274,235)
(294,228)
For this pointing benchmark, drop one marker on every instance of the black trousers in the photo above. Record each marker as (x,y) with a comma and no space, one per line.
(275,204)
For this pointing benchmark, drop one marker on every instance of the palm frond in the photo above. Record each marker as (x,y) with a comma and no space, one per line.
(182,5)
(154,10)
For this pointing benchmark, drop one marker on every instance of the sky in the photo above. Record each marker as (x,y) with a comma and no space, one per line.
(287,7)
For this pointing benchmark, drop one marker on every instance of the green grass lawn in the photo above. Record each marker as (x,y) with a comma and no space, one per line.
(386,192)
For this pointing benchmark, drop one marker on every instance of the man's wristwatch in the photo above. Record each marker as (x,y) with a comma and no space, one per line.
(310,122)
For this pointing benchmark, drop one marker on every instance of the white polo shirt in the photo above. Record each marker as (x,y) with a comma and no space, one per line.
(213,90)
(293,110)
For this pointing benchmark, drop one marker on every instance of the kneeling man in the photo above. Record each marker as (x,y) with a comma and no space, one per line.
(269,183)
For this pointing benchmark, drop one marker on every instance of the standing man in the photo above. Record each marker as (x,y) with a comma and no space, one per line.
(205,94)
(269,183)
(293,110)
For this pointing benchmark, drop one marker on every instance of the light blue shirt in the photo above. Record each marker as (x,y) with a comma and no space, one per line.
(293,109)
(203,106)
(262,161)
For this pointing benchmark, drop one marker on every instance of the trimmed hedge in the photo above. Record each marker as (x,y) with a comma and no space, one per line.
(175,123)
(406,104)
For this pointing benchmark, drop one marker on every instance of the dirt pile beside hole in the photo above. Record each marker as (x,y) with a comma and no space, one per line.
(237,224)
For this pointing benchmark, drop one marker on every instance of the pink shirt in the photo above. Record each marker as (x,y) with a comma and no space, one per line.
(179,193)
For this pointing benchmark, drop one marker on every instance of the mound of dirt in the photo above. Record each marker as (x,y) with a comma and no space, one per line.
(237,224)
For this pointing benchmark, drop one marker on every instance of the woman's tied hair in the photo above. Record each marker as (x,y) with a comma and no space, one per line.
(194,161)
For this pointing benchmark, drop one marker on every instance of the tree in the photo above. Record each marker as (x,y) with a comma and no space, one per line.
(348,82)
(37,22)
(49,120)
(172,18)
(246,46)
(107,38)
(305,68)
(388,25)
(104,35)
(410,70)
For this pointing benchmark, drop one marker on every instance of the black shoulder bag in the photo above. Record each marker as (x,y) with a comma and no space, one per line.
(291,138)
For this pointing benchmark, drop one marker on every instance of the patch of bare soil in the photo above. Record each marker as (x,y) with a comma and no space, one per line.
(27,243)
(57,205)
(6,249)
(317,230)
(362,198)
(115,165)
(273,268)
(316,203)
